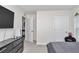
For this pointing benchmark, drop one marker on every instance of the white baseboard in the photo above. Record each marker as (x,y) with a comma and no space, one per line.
(38,43)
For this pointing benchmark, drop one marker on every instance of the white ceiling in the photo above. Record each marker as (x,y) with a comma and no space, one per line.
(33,8)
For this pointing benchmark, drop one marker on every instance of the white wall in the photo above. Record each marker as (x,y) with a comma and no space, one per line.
(52,26)
(35,27)
(17,23)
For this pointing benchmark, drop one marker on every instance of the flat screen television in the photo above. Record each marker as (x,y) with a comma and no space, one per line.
(6,18)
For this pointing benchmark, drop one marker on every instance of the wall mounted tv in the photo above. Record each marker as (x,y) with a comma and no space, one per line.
(6,18)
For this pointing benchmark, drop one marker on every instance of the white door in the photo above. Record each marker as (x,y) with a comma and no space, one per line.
(30,28)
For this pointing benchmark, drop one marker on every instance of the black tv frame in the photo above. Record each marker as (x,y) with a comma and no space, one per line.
(8,27)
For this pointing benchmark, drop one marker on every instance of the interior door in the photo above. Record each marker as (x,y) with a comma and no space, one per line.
(30,27)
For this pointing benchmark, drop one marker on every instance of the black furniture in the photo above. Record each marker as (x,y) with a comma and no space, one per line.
(12,45)
(70,39)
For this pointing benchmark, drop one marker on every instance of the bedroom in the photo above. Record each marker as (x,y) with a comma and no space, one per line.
(53,22)
(43,24)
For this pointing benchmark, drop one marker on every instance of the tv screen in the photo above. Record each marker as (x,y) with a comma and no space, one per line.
(6,18)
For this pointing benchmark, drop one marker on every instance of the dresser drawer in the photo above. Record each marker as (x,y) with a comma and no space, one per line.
(6,49)
(20,50)
(3,50)
(17,48)
(17,42)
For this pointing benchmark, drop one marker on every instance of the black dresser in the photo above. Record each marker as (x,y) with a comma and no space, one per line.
(12,45)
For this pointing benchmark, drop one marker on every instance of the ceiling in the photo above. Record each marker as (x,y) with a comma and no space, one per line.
(34,8)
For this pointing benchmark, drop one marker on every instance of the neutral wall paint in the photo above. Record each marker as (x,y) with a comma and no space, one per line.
(45,20)
(8,33)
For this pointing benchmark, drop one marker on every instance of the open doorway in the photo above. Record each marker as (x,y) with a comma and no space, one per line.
(23,26)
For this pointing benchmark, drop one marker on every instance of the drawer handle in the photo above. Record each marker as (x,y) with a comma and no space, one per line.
(3,49)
